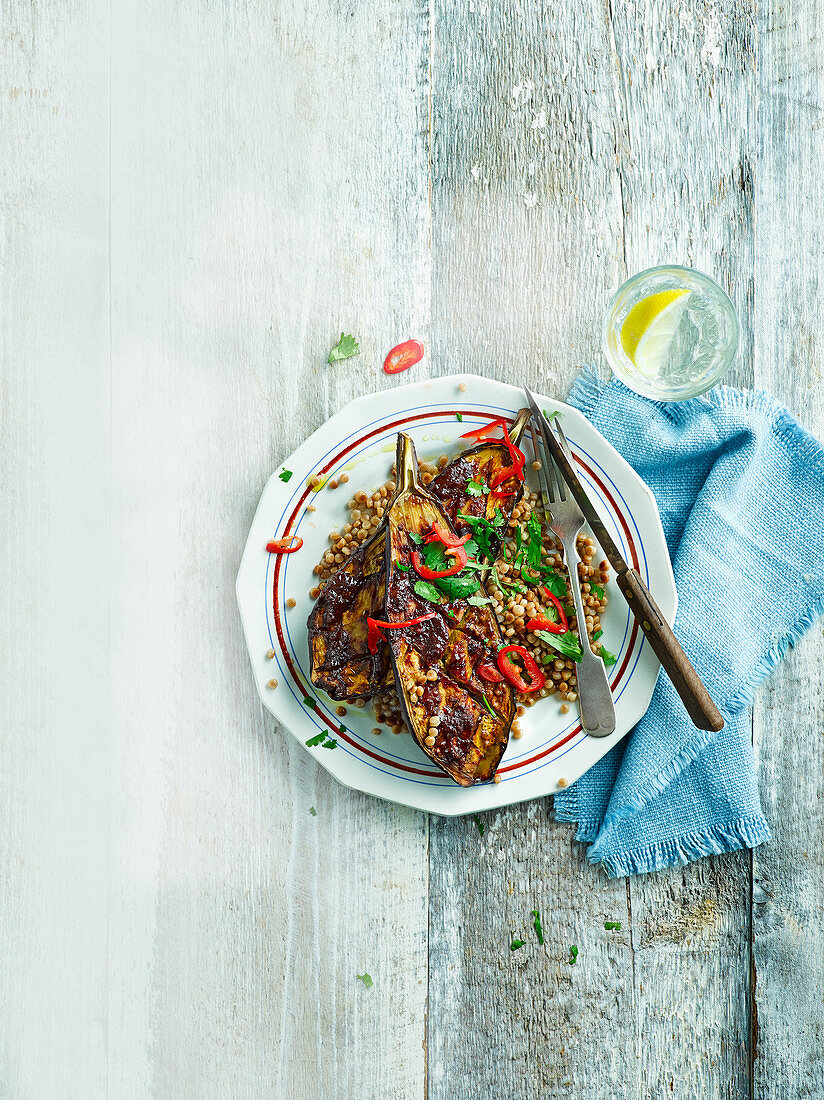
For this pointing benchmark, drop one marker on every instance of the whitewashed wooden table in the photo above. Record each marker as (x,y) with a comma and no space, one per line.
(197,197)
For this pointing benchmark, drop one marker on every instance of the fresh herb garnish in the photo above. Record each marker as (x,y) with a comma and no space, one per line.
(607,657)
(536,924)
(596,590)
(488,707)
(480,825)
(556,585)
(316,740)
(427,591)
(284,475)
(529,553)
(416,538)
(477,488)
(479,601)
(330,744)
(573,955)
(459,585)
(506,587)
(612,925)
(400,565)
(485,536)
(345,348)
(367,981)
(459,418)
(516,944)
(313,811)
(307,702)
(566,644)
(597,635)
(552,415)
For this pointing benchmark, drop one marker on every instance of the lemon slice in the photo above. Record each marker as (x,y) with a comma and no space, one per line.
(650,327)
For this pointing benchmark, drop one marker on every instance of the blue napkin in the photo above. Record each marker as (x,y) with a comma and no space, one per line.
(740,489)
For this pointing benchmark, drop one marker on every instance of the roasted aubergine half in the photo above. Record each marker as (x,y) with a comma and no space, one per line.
(341,664)
(438,641)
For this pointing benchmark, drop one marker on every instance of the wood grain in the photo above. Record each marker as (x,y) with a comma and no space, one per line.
(54,554)
(197,199)
(788,874)
(527,244)
(269,189)
(688,89)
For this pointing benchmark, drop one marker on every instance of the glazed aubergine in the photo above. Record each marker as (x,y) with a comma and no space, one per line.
(341,663)
(437,649)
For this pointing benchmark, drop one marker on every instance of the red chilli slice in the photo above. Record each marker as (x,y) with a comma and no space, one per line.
(376,627)
(281,546)
(403,356)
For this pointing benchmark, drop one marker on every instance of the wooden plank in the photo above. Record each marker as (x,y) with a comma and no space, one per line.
(54,554)
(655,92)
(788,873)
(688,89)
(270,189)
(526,249)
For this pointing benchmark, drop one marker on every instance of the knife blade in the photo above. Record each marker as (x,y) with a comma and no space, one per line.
(694,695)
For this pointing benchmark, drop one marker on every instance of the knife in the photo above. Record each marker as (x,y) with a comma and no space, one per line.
(686,681)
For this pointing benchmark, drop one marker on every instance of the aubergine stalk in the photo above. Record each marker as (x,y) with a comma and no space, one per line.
(341,664)
(460,720)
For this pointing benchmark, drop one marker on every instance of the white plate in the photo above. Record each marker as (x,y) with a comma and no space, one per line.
(360,441)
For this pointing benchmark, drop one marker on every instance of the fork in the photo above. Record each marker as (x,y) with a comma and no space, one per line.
(566,520)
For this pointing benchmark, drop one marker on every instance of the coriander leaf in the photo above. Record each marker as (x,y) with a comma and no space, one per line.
(345,348)
(535,537)
(459,586)
(307,702)
(506,587)
(597,635)
(313,811)
(566,644)
(607,657)
(516,944)
(479,601)
(596,590)
(480,825)
(499,518)
(573,955)
(530,578)
(612,925)
(330,744)
(552,415)
(434,556)
(471,548)
(477,488)
(427,591)
(365,978)
(556,585)
(316,740)
(284,475)
(400,565)
(536,924)
(459,418)
(416,538)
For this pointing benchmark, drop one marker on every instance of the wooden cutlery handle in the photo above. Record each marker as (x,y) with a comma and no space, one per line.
(700,707)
